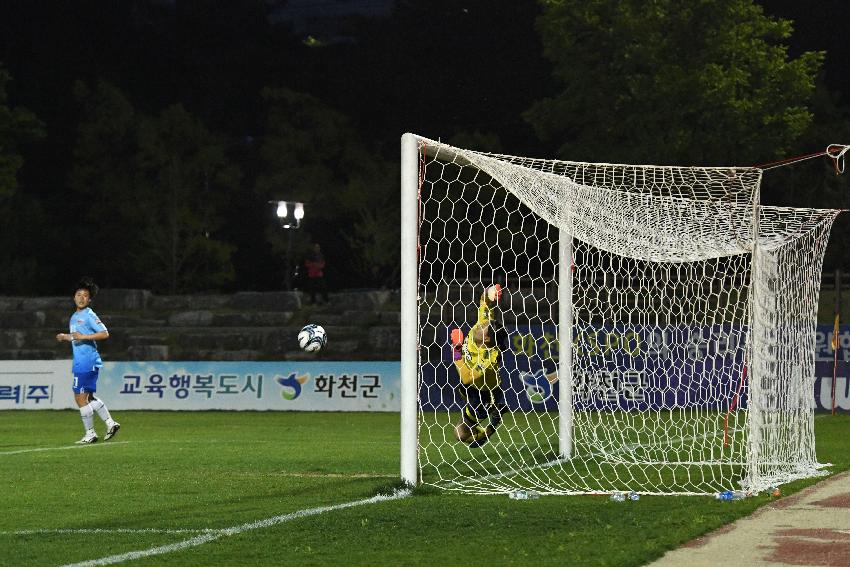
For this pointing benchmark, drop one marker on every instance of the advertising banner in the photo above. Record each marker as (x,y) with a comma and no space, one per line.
(298,386)
(707,375)
(635,369)
(36,384)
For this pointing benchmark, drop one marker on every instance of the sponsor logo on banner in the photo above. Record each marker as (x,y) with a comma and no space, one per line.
(538,385)
(291,385)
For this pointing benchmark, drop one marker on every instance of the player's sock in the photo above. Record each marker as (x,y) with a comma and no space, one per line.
(99,407)
(495,419)
(480,437)
(86,413)
(470,418)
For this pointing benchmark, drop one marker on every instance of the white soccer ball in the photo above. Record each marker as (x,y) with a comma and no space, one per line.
(312,338)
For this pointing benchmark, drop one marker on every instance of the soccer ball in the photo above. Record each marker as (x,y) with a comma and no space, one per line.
(312,338)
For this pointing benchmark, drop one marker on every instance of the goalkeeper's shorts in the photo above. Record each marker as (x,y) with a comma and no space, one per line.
(481,404)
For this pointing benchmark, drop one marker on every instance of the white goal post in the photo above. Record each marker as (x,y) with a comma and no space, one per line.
(660,326)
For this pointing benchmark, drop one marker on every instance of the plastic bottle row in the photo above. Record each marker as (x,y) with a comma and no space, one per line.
(523,495)
(623,496)
(726,495)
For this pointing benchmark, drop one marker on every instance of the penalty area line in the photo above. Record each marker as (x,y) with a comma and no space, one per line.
(235,530)
(63,448)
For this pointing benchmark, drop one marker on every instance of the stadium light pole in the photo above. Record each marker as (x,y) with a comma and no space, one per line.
(289,214)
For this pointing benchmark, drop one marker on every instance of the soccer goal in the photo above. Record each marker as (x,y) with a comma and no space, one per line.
(660,323)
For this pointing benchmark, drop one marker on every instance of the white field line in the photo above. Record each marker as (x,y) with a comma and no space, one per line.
(235,530)
(352,475)
(111,531)
(63,448)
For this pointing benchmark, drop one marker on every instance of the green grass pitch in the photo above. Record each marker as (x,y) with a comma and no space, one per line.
(618,451)
(169,478)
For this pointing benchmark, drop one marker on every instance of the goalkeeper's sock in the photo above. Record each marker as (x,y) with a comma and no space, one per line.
(495,420)
(480,436)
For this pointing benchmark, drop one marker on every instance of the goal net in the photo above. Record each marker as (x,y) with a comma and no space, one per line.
(660,326)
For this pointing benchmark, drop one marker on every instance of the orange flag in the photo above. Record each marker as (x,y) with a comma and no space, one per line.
(835,333)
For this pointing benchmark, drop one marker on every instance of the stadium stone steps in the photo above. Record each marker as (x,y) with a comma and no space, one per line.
(361,325)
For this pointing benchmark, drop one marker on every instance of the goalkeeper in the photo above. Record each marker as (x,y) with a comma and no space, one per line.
(477,364)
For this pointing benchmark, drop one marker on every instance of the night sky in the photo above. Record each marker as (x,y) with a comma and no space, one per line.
(482,62)
(460,65)
(453,66)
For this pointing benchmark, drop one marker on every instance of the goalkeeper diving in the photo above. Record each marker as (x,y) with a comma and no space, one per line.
(476,359)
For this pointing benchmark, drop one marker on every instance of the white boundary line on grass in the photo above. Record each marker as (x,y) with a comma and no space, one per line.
(112,531)
(317,475)
(235,530)
(18,452)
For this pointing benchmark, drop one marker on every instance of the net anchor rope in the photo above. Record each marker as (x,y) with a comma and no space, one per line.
(835,152)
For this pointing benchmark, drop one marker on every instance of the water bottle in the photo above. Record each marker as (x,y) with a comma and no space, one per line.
(518,495)
(634,496)
(728,495)
(523,495)
(617,497)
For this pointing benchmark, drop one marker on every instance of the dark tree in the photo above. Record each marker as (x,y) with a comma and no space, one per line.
(707,83)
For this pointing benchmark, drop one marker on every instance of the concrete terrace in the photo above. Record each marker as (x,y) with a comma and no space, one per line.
(361,325)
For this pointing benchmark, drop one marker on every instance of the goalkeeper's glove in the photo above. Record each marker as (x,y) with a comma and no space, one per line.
(494,292)
(457,337)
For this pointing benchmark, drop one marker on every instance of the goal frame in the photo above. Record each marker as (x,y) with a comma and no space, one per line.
(412,170)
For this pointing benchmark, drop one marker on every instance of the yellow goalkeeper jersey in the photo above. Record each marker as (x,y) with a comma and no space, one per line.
(479,365)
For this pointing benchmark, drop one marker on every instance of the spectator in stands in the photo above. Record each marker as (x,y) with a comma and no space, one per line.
(315,265)
(86,328)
